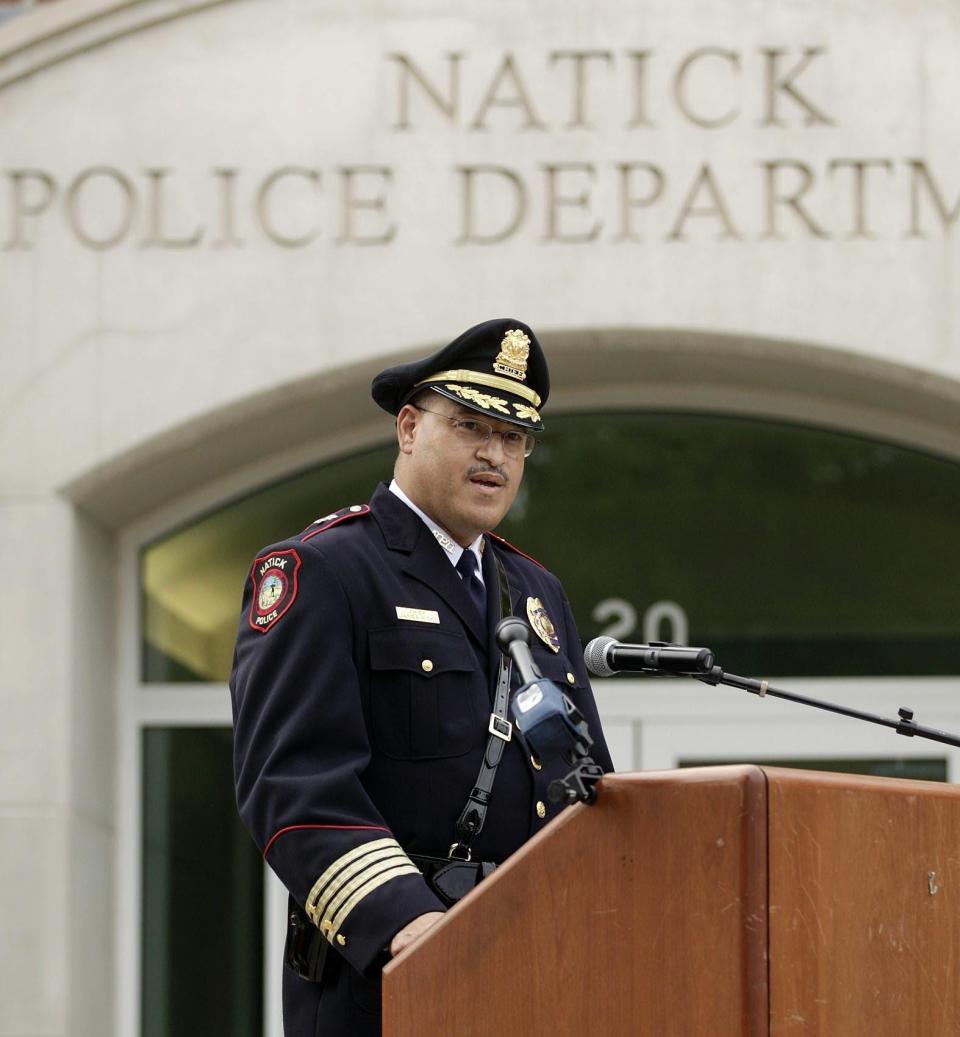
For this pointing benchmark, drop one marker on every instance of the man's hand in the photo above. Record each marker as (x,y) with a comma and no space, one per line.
(412,931)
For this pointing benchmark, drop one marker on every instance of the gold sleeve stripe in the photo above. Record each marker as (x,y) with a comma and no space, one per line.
(491,381)
(364,891)
(343,868)
(318,897)
(332,903)
(352,876)
(341,862)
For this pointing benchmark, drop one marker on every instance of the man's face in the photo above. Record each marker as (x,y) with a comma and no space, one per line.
(467,488)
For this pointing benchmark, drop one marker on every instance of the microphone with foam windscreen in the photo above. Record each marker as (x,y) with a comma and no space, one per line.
(549,721)
(540,709)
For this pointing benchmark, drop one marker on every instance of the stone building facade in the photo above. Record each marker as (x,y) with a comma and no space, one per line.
(219,217)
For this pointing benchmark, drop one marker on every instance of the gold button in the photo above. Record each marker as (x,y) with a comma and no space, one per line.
(571,679)
(541,809)
(342,940)
(427,665)
(537,765)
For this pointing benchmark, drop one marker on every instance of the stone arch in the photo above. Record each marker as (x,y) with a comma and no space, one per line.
(67,30)
(666,369)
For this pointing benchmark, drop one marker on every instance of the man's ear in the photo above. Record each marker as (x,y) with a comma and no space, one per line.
(408,421)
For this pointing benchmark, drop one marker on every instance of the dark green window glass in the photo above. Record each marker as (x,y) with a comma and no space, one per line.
(202,933)
(791,550)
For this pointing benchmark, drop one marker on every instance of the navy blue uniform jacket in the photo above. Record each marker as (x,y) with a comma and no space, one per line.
(359,734)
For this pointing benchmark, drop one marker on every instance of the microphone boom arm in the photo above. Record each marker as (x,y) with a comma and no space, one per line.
(906,725)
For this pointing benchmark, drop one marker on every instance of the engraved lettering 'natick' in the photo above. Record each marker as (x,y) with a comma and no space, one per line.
(708,87)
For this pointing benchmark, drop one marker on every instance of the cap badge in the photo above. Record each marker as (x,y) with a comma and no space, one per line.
(512,358)
(542,624)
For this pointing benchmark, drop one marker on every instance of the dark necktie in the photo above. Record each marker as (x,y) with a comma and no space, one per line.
(467,567)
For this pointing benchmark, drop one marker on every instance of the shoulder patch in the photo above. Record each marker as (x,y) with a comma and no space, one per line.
(321,525)
(516,550)
(274,577)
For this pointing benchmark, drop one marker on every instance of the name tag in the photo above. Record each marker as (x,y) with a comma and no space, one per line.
(418,615)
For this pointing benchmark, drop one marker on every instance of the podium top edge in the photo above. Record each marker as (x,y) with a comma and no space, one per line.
(770,775)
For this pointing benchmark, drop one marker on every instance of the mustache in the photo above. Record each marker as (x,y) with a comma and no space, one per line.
(487,469)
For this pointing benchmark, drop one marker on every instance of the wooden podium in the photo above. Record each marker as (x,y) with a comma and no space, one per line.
(710,902)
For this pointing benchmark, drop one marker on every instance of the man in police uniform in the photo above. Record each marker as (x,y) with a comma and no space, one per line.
(366,669)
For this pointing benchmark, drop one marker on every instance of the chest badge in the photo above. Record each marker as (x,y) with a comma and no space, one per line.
(542,624)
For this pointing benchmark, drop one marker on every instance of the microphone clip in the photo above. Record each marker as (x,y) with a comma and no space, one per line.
(579,786)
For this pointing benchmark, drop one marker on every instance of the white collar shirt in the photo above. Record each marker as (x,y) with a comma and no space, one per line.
(451,548)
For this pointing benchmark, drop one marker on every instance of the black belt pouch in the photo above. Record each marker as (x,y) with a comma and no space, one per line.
(451,880)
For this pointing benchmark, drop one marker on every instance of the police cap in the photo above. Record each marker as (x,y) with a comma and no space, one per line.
(496,368)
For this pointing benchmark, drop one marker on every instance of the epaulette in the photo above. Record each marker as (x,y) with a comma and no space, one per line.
(515,549)
(321,525)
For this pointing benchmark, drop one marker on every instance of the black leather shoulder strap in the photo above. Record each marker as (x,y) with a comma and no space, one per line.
(474,813)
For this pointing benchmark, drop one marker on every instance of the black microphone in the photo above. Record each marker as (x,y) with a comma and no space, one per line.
(513,639)
(604,657)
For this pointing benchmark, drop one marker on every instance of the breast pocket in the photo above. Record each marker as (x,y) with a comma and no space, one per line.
(425,693)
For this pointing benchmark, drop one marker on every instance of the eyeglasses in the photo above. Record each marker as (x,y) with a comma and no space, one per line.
(476,434)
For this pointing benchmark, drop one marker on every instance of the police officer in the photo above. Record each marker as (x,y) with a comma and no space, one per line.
(368,693)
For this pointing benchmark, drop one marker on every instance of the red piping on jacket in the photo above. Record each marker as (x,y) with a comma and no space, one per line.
(515,549)
(364,510)
(342,828)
